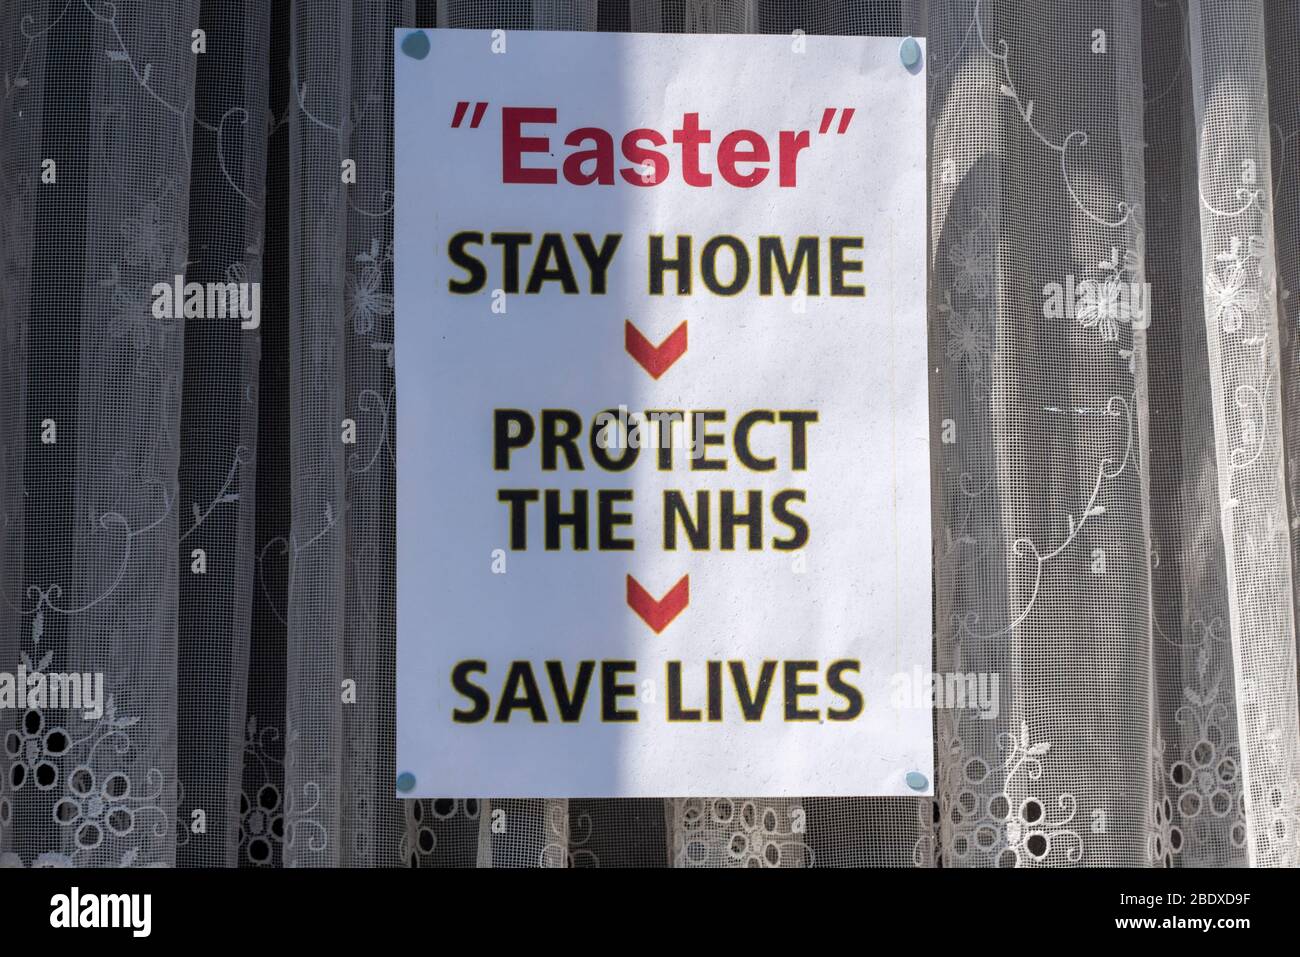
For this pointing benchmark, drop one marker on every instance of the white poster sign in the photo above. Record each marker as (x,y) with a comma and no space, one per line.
(662,415)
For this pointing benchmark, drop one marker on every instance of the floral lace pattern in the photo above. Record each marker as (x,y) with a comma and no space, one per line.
(737,832)
(1037,536)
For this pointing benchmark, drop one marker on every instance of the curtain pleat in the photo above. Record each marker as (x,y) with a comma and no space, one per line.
(21,139)
(1239,262)
(219,424)
(1195,753)
(97,590)
(205,513)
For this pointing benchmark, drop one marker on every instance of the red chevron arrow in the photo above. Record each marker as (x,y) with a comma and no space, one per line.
(654,359)
(658,614)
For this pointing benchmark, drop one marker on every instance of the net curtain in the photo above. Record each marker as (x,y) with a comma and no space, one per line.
(1114,528)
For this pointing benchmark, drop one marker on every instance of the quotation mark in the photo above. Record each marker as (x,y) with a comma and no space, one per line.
(829,114)
(459,116)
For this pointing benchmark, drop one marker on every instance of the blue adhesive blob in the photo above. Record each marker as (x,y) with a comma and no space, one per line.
(917,781)
(909,52)
(406,780)
(416,44)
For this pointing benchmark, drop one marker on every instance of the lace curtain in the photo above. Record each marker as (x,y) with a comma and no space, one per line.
(1114,526)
